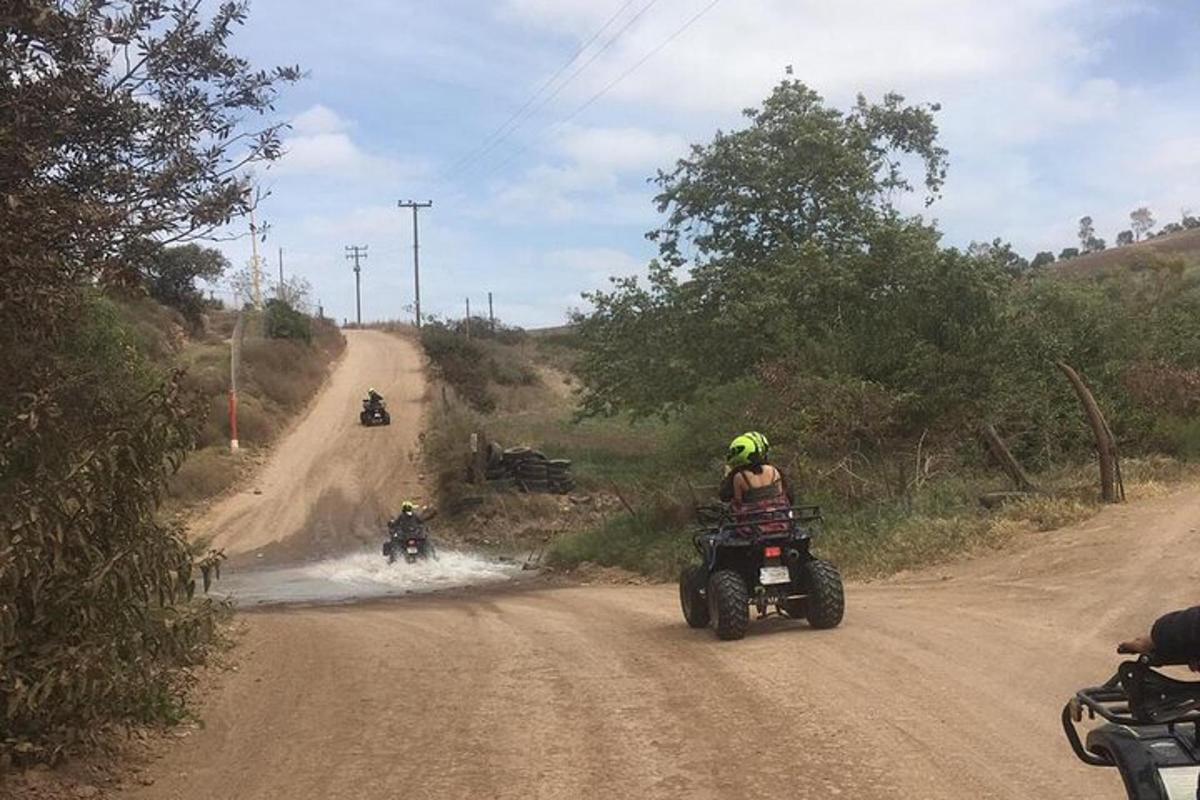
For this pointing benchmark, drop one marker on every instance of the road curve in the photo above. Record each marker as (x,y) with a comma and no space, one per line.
(944,684)
(329,481)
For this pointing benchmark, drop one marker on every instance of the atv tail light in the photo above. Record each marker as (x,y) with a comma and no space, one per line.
(773,552)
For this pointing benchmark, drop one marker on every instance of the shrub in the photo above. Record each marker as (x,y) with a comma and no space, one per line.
(281,321)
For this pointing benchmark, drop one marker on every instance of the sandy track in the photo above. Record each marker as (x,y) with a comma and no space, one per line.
(945,684)
(330,481)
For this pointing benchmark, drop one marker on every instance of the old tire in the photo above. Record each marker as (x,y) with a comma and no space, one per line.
(826,602)
(728,604)
(691,597)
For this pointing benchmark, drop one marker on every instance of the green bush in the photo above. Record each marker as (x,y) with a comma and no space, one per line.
(281,321)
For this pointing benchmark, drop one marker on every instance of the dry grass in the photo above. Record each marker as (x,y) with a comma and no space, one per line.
(1185,244)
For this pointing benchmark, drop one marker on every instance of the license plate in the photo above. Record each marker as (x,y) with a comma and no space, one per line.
(769,576)
(412,550)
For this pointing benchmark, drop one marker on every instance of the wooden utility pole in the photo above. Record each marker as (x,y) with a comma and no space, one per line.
(1112,488)
(415,206)
(356,253)
(468,318)
(491,314)
(280,292)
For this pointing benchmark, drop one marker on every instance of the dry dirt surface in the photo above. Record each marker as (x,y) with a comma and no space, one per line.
(942,684)
(330,482)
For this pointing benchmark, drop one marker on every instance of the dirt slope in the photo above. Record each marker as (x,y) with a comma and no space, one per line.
(329,481)
(945,684)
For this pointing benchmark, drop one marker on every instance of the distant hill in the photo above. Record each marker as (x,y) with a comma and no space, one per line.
(1184,243)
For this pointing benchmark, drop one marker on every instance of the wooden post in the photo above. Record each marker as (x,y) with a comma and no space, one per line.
(1008,462)
(1106,448)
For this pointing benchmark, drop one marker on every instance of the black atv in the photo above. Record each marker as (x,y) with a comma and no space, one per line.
(410,543)
(762,560)
(1150,732)
(374,413)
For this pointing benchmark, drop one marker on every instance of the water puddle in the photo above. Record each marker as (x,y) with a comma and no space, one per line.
(359,576)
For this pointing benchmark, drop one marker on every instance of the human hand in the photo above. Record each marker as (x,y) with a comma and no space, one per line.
(1138,646)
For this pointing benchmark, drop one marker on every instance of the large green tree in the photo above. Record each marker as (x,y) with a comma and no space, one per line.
(801,173)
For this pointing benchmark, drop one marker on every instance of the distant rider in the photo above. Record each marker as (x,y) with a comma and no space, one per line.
(374,398)
(753,487)
(408,520)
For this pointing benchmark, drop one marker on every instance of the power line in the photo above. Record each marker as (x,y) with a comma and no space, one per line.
(546,100)
(608,87)
(471,154)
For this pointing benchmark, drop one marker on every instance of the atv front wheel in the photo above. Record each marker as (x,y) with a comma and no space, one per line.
(826,602)
(728,604)
(691,597)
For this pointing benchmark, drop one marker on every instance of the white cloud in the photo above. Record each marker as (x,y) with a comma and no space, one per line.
(321,145)
(317,120)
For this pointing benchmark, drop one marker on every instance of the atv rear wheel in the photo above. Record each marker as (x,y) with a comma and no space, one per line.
(826,602)
(728,604)
(691,597)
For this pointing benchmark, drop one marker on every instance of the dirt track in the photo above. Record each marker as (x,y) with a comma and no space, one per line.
(330,480)
(945,684)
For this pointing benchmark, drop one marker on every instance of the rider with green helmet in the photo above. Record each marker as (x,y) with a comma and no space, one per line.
(753,486)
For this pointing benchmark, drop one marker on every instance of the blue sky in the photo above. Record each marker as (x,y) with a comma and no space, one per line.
(1052,109)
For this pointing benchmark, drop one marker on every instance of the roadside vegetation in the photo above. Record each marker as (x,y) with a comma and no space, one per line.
(128,129)
(793,295)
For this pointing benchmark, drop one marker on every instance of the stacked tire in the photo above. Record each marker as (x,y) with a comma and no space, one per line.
(558,476)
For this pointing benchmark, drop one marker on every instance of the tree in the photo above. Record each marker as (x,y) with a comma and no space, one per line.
(1171,227)
(1142,221)
(1087,233)
(1043,259)
(800,173)
(999,253)
(128,125)
(1068,253)
(172,272)
(1124,238)
(1190,223)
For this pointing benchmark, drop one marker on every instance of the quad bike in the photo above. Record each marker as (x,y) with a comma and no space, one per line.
(374,414)
(411,544)
(1150,731)
(762,560)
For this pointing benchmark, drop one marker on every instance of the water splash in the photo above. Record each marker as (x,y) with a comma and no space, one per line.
(361,576)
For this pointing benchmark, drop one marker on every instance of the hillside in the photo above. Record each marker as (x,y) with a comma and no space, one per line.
(1185,244)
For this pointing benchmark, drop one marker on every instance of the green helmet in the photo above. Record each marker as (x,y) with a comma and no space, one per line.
(764,446)
(742,451)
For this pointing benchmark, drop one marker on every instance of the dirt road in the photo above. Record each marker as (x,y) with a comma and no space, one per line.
(941,685)
(330,481)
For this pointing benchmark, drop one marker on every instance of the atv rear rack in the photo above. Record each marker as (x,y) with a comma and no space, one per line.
(1136,696)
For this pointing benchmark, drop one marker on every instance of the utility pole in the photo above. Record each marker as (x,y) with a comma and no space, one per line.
(416,252)
(468,318)
(355,253)
(255,264)
(280,273)
(491,314)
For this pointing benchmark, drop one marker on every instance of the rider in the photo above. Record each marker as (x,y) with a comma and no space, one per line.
(408,520)
(753,486)
(374,398)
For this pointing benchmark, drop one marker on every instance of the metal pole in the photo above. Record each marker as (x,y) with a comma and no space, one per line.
(355,253)
(468,318)
(357,297)
(255,265)
(491,314)
(281,273)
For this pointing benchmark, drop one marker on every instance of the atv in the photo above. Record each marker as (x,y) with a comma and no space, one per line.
(762,560)
(1150,732)
(374,414)
(411,544)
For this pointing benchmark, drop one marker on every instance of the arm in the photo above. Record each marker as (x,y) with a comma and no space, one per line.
(727,488)
(1174,636)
